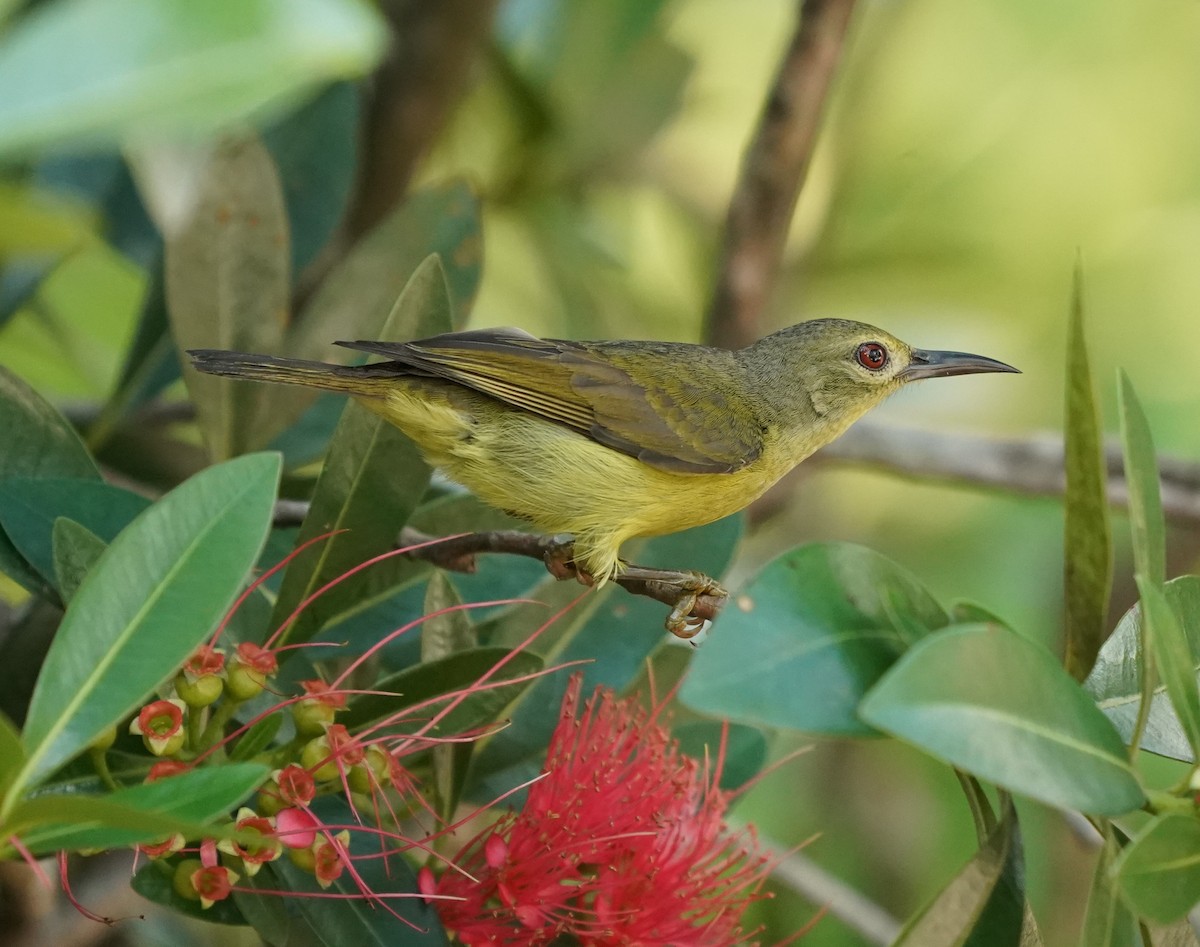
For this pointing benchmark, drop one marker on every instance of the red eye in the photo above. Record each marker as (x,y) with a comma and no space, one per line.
(872,355)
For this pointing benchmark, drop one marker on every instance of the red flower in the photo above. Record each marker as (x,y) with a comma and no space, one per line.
(160,725)
(204,661)
(166,768)
(265,846)
(622,842)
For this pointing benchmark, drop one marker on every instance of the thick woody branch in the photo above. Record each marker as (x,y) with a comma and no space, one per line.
(773,172)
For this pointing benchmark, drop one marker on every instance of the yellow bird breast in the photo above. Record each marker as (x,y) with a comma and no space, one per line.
(558,479)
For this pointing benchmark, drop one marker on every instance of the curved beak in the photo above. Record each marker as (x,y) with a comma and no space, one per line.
(926,364)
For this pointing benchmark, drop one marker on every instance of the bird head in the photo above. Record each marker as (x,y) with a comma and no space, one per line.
(838,370)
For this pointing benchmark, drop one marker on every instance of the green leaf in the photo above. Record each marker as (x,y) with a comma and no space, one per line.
(998,705)
(12,754)
(984,904)
(441,636)
(446,676)
(1147,528)
(353,921)
(448,633)
(745,749)
(228,287)
(372,480)
(349,305)
(92,71)
(1108,922)
(833,615)
(316,149)
(76,550)
(1173,656)
(28,509)
(612,631)
(1115,681)
(185,803)
(38,442)
(257,738)
(157,591)
(1159,870)
(1088,539)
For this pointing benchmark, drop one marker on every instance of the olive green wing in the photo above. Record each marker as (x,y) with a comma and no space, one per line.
(653,401)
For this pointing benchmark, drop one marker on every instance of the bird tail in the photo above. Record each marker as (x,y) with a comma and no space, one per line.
(361,380)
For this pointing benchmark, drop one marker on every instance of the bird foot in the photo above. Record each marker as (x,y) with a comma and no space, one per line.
(559,556)
(697,597)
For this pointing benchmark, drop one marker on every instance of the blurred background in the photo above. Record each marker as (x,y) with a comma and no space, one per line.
(971,152)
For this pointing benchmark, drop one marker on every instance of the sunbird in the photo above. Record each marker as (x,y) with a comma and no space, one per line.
(607,441)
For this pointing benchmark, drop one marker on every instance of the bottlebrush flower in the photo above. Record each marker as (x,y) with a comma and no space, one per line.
(622,842)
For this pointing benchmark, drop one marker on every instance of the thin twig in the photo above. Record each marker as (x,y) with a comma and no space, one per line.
(773,172)
(813,883)
(457,553)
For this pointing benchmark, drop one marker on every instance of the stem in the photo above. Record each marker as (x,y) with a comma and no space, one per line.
(100,762)
(977,801)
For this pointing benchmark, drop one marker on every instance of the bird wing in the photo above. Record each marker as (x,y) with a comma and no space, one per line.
(612,392)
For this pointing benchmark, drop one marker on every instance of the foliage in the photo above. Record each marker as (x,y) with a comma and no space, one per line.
(134,537)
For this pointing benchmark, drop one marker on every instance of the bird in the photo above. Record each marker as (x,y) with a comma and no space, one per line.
(605,441)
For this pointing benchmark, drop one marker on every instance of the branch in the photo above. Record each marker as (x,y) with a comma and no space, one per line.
(813,883)
(773,172)
(434,47)
(1028,465)
(457,553)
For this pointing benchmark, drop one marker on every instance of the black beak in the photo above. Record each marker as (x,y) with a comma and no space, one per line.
(941,364)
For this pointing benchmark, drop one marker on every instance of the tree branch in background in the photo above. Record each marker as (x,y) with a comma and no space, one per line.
(1026,465)
(773,172)
(434,47)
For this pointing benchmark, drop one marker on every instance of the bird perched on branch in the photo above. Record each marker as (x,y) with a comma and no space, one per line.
(611,440)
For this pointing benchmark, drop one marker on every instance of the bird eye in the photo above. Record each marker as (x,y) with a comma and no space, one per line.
(872,356)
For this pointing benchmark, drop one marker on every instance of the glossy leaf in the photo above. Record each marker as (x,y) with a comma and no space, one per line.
(1159,870)
(1088,538)
(12,754)
(441,636)
(155,593)
(76,550)
(257,738)
(1173,657)
(170,68)
(984,904)
(1115,682)
(28,509)
(1108,922)
(612,631)
(447,676)
(998,705)
(372,480)
(38,442)
(448,633)
(228,287)
(184,803)
(745,749)
(832,615)
(354,921)
(1147,528)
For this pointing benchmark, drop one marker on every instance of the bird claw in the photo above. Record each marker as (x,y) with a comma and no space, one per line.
(559,556)
(682,622)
